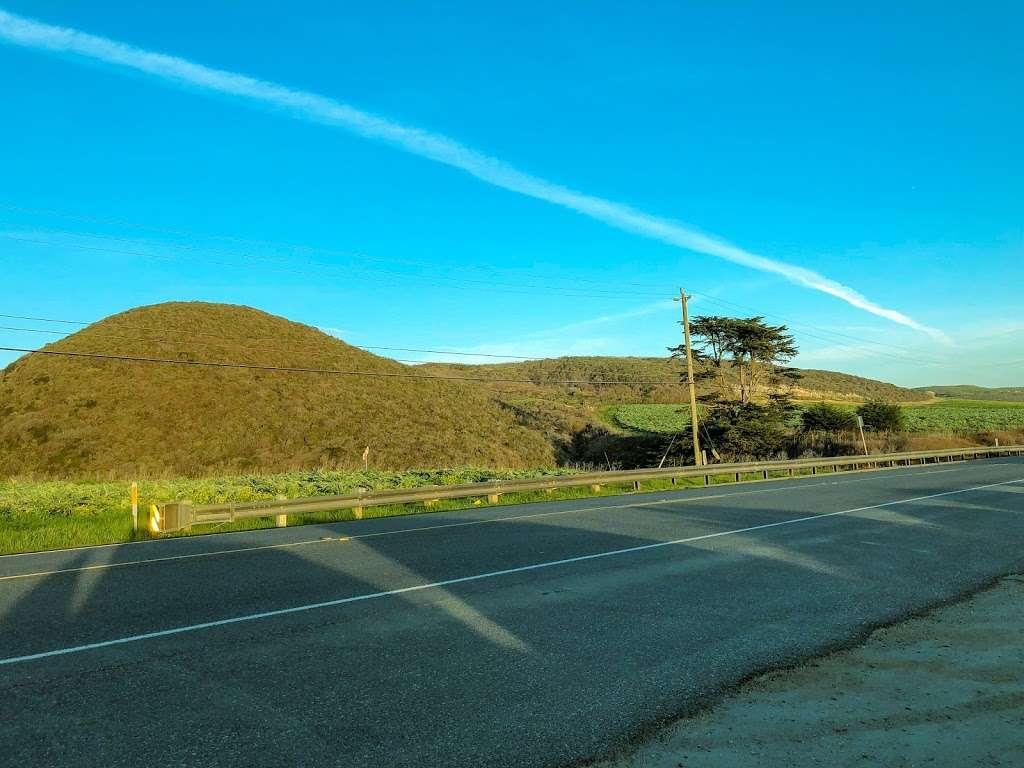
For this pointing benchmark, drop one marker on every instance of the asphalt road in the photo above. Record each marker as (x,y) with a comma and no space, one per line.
(534,635)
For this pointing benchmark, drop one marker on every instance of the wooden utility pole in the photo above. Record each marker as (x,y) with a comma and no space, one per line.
(697,457)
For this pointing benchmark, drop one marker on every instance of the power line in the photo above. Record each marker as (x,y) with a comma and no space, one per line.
(333,371)
(180,342)
(450,352)
(461,353)
(499,288)
(445,280)
(442,279)
(257,338)
(309,249)
(555,290)
(277,244)
(794,324)
(46,320)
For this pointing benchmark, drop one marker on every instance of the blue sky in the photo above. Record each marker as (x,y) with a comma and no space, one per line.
(872,149)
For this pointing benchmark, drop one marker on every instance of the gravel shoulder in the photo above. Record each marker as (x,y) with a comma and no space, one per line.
(945,689)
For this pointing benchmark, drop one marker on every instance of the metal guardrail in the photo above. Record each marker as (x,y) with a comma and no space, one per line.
(175,516)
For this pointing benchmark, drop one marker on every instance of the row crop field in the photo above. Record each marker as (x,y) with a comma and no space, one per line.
(662,418)
(944,416)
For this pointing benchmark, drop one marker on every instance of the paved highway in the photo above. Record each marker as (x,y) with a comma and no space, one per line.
(533,635)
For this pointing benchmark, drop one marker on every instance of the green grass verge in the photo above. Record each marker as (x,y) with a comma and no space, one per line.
(37,516)
(56,514)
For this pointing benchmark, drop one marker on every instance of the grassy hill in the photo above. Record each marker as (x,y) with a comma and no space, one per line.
(971,392)
(580,420)
(815,384)
(62,417)
(78,417)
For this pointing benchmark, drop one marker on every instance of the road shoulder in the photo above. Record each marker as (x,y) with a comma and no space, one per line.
(943,689)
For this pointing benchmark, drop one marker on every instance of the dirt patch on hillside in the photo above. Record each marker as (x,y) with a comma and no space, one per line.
(946,689)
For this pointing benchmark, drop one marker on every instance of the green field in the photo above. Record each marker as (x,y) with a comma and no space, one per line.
(1015,394)
(662,418)
(965,416)
(952,415)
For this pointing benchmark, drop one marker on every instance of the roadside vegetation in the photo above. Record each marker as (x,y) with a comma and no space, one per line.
(73,433)
(59,513)
(56,514)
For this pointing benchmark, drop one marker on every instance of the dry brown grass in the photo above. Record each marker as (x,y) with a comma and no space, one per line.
(65,417)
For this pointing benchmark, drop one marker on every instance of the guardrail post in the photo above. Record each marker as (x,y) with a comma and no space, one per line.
(281,521)
(174,516)
(357,511)
(135,506)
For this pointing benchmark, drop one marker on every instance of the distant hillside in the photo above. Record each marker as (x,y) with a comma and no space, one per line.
(575,418)
(82,417)
(971,392)
(815,384)
(63,416)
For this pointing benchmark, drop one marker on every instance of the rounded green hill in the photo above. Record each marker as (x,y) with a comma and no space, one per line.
(66,416)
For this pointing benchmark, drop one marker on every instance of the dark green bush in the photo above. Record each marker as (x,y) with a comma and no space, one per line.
(882,417)
(748,431)
(822,417)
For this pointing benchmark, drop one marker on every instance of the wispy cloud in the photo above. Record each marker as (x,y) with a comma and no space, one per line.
(570,339)
(340,333)
(555,346)
(629,314)
(313,107)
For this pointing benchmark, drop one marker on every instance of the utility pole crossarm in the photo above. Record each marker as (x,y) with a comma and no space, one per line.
(697,458)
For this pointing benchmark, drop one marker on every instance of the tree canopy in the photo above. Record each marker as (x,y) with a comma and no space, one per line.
(745,357)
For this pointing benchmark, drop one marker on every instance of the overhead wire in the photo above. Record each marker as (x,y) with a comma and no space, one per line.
(197,334)
(332,371)
(801,327)
(434,351)
(563,292)
(459,283)
(617,291)
(182,342)
(292,246)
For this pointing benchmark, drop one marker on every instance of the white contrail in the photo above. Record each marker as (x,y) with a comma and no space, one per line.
(310,106)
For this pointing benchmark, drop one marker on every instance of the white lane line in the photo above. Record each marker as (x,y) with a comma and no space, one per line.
(460,524)
(474,577)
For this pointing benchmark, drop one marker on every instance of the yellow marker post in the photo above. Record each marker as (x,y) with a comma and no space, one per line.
(135,506)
